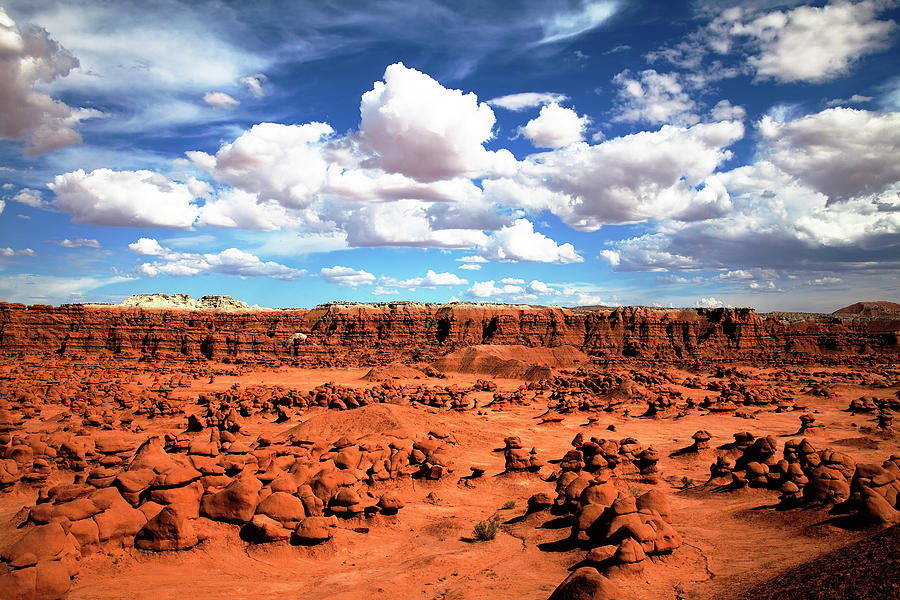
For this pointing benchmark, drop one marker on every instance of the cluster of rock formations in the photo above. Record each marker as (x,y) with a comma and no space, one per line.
(805,476)
(618,524)
(266,399)
(154,496)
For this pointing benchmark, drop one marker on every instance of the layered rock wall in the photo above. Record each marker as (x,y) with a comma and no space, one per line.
(360,334)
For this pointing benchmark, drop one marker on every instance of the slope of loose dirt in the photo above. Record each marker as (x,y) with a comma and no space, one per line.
(869,568)
(357,423)
(393,371)
(871,309)
(511,362)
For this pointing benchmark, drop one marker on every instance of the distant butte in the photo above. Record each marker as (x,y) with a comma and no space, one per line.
(183,301)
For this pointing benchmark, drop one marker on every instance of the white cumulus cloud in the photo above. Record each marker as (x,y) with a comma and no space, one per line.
(649,252)
(726,111)
(646,175)
(425,131)
(347,276)
(11,252)
(490,289)
(233,261)
(840,152)
(515,290)
(555,127)
(240,209)
(124,198)
(278,162)
(825,282)
(402,223)
(748,275)
(777,222)
(148,247)
(433,279)
(541,288)
(520,242)
(815,44)
(30,197)
(811,44)
(652,97)
(710,302)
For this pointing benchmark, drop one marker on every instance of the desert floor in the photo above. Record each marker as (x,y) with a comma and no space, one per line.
(733,539)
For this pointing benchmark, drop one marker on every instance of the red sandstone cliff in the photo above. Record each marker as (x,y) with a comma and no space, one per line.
(357,334)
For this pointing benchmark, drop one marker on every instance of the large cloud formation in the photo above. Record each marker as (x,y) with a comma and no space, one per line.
(647,175)
(814,44)
(653,97)
(840,152)
(821,189)
(804,44)
(824,194)
(29,56)
(423,130)
(125,198)
(285,163)
(347,276)
(374,186)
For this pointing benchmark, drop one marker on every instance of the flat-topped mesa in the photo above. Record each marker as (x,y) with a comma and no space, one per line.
(183,301)
(351,334)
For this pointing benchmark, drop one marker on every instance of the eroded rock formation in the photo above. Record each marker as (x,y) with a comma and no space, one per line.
(371,334)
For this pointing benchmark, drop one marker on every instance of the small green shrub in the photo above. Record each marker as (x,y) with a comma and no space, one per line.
(509,504)
(487,530)
(635,491)
(687,482)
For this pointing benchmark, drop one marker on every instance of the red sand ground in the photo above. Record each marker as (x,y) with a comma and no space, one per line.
(733,540)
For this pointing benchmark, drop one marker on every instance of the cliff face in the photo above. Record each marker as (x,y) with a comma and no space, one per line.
(377,334)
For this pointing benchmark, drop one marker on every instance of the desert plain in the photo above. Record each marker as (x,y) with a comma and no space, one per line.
(169,447)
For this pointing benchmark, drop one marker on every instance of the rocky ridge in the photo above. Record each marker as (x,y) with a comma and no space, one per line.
(367,334)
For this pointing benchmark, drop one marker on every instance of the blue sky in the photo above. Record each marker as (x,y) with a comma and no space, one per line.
(569,153)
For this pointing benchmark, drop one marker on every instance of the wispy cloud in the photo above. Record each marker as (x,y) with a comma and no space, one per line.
(569,24)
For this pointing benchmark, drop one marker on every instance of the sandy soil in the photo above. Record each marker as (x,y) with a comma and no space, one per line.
(732,539)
